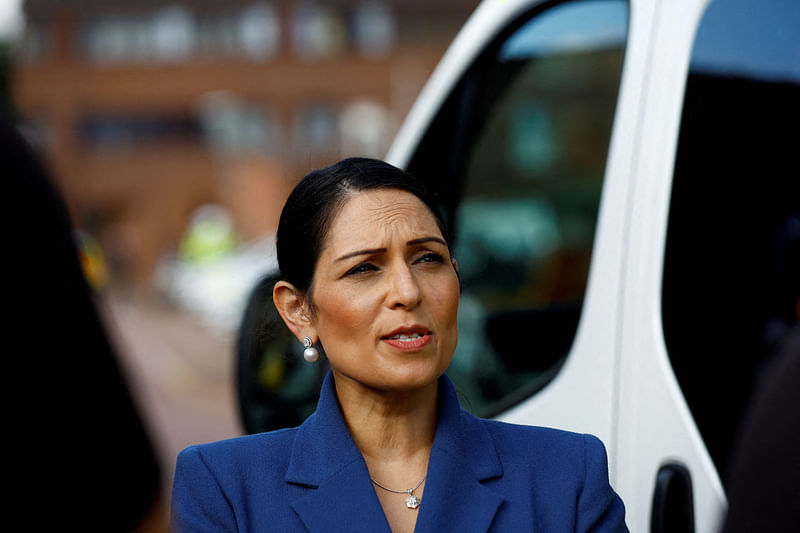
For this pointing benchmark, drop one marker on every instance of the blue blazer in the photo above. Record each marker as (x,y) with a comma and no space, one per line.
(483,475)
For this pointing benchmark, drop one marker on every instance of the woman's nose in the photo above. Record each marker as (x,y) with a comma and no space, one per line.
(404,290)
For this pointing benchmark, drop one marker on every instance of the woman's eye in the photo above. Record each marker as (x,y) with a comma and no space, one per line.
(361,269)
(431,257)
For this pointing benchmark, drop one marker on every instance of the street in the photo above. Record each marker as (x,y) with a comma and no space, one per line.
(181,374)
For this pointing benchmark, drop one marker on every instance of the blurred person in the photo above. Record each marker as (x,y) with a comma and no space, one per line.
(80,457)
(764,482)
(366,272)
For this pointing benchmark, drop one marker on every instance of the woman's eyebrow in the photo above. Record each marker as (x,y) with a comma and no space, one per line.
(371,251)
(361,252)
(426,239)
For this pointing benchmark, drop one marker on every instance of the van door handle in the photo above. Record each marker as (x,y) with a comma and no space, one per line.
(673,506)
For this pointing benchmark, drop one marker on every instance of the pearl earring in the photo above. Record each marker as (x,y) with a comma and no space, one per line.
(310,354)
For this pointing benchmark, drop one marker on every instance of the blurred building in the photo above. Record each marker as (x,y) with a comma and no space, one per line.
(145,109)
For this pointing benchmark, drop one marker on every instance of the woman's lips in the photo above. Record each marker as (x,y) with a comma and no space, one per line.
(410,344)
(408,339)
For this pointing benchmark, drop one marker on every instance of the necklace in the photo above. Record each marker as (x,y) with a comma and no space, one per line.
(412,502)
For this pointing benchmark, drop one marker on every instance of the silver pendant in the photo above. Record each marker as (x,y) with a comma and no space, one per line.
(412,502)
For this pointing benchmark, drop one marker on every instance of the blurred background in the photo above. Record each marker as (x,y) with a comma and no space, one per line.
(174,130)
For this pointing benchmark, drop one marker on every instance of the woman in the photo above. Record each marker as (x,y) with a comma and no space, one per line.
(366,272)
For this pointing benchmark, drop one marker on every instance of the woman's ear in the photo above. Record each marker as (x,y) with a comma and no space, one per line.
(293,308)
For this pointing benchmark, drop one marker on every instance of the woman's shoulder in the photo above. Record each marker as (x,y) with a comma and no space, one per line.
(217,484)
(243,450)
(548,443)
(564,473)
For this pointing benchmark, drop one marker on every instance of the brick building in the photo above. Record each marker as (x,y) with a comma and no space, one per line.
(145,110)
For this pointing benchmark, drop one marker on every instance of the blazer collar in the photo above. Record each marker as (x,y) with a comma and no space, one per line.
(463,456)
(325,459)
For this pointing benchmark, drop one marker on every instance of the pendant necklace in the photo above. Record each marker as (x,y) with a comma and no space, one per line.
(412,502)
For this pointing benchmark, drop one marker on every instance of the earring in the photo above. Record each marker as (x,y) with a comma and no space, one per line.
(310,354)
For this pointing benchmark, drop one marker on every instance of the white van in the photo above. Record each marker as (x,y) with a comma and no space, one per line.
(623,181)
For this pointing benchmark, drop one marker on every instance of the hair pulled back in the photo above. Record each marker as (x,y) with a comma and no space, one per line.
(312,205)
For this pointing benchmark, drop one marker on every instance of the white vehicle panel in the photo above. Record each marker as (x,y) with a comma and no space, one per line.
(655,424)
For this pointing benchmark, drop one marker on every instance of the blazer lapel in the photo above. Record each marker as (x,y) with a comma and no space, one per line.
(342,503)
(463,456)
(334,489)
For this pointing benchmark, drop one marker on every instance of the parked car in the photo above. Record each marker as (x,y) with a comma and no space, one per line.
(623,182)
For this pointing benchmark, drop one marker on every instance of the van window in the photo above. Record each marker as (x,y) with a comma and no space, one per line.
(731,285)
(517,155)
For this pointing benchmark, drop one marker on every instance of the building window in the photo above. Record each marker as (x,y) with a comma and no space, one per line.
(116,132)
(174,34)
(365,130)
(217,35)
(259,32)
(108,39)
(166,35)
(317,32)
(233,126)
(317,131)
(374,29)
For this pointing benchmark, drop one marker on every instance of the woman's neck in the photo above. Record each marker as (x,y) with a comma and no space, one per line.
(390,428)
(394,432)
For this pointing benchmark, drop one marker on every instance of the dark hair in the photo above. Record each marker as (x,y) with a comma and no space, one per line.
(310,208)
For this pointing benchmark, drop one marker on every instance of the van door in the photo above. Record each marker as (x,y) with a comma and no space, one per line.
(712,281)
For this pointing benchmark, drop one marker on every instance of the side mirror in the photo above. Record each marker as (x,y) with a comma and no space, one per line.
(276,388)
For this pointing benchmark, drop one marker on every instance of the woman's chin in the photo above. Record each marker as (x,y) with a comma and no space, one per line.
(400,378)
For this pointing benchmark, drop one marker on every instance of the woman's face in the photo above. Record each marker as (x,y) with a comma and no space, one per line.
(385,293)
